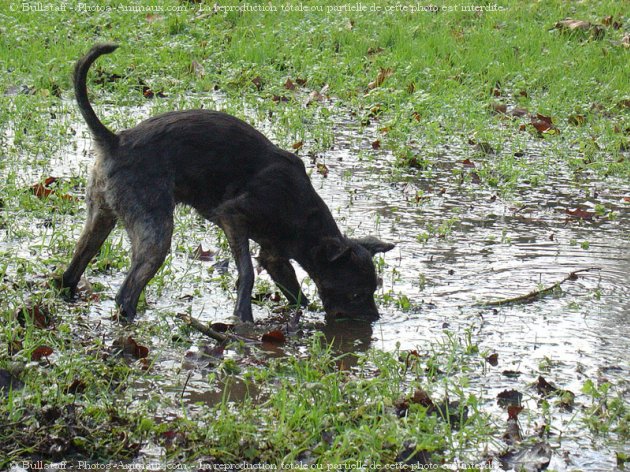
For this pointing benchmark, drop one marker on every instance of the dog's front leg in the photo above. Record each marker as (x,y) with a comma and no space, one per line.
(283,274)
(239,244)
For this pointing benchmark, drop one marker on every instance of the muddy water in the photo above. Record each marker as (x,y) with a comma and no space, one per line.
(499,249)
(489,248)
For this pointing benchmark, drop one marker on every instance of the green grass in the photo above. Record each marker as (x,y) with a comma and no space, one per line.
(309,408)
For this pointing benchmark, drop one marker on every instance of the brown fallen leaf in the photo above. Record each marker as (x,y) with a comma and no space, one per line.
(468,163)
(383,74)
(542,123)
(518,112)
(147,92)
(572,25)
(77,386)
(289,85)
(45,189)
(420,397)
(41,191)
(545,388)
(41,351)
(322,169)
(297,145)
(580,214)
(499,108)
(513,411)
(257,81)
(128,347)
(274,337)
(39,315)
(279,99)
(493,359)
(314,96)
(512,433)
(376,144)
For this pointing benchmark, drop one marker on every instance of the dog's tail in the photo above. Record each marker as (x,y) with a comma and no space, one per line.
(98,129)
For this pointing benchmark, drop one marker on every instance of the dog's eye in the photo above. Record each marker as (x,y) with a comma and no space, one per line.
(355,297)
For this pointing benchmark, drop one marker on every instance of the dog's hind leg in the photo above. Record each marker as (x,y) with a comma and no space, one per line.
(283,274)
(98,225)
(150,243)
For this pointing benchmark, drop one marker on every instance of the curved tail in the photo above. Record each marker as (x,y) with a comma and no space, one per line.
(98,129)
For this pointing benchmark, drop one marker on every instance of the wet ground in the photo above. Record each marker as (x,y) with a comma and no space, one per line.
(458,245)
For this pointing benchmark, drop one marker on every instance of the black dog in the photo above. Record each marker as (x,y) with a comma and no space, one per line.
(233,176)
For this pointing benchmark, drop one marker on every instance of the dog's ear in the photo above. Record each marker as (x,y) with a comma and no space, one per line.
(374,245)
(332,249)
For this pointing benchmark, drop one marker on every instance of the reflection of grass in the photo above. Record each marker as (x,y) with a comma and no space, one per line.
(442,230)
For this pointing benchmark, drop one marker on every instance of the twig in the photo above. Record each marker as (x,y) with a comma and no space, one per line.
(214,334)
(536,294)
(202,328)
(185,385)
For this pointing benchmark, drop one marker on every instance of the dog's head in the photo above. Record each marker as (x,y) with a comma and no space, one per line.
(346,278)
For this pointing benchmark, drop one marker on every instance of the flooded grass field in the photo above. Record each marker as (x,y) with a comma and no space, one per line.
(461,251)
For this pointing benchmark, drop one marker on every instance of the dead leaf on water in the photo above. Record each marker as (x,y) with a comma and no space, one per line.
(322,169)
(274,337)
(129,348)
(580,214)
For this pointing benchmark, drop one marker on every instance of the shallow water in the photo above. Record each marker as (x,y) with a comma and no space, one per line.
(497,250)
(494,248)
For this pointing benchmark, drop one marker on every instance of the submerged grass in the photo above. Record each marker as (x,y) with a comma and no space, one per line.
(442,77)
